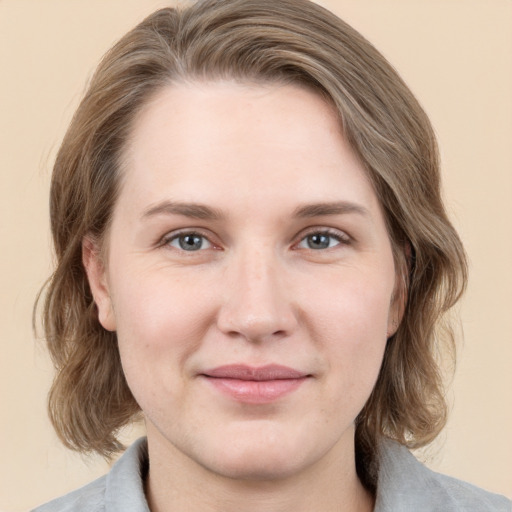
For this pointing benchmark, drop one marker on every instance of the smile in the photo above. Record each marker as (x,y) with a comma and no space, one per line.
(255,385)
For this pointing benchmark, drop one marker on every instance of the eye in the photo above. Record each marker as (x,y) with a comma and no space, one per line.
(189,242)
(322,240)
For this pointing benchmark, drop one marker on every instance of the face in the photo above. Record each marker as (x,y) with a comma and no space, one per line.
(249,277)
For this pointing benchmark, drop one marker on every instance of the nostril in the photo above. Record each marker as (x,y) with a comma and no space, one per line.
(256,317)
(256,336)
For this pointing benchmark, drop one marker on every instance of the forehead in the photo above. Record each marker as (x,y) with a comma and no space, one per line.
(220,112)
(205,139)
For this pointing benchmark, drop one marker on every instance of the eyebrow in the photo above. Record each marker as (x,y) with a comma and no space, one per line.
(192,210)
(203,212)
(333,208)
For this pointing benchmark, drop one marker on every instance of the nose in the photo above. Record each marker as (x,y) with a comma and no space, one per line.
(257,303)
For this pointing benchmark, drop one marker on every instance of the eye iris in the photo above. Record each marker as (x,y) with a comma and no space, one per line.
(191,242)
(318,241)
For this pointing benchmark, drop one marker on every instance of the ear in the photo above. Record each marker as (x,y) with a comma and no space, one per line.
(97,277)
(400,293)
(396,310)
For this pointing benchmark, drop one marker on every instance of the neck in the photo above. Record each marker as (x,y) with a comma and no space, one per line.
(175,483)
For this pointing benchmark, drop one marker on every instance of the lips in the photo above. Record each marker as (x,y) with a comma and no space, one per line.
(256,385)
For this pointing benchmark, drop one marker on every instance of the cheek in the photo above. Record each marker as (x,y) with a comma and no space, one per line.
(349,324)
(160,322)
(354,305)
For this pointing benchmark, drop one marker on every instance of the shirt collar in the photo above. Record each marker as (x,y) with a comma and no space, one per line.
(125,482)
(404,484)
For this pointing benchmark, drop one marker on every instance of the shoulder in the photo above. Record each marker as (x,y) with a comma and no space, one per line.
(406,484)
(121,490)
(90,498)
(469,497)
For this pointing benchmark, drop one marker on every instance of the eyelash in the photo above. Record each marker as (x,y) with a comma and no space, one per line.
(169,238)
(339,236)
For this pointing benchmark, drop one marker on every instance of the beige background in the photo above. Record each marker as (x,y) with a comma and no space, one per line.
(457,57)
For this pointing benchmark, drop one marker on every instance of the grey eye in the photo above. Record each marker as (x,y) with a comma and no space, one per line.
(190,242)
(318,241)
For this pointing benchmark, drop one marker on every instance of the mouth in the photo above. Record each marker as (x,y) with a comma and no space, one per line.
(255,385)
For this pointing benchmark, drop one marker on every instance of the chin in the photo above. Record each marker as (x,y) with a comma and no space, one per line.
(259,467)
(261,458)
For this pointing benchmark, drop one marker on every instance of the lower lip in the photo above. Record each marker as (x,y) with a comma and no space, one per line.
(256,392)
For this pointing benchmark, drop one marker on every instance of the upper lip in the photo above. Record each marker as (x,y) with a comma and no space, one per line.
(261,373)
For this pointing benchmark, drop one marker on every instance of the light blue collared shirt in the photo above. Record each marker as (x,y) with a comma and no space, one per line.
(404,485)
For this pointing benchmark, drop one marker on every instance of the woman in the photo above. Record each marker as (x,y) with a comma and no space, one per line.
(252,253)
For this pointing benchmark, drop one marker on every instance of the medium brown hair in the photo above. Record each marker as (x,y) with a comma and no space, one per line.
(285,41)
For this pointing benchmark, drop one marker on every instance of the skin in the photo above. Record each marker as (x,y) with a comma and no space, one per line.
(258,289)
